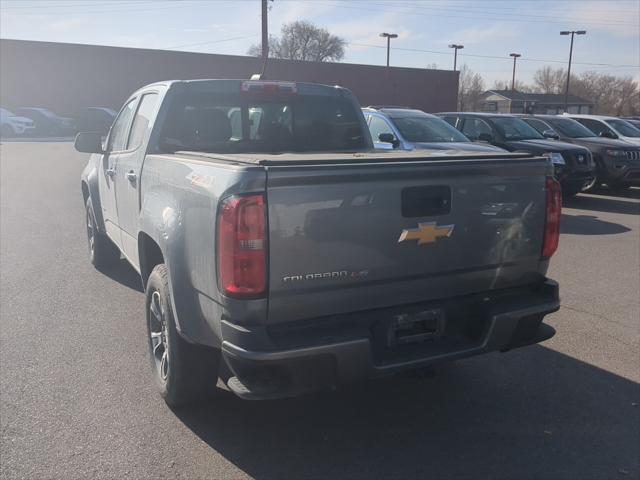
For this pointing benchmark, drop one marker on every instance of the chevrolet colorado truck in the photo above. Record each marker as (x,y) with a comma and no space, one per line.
(280,253)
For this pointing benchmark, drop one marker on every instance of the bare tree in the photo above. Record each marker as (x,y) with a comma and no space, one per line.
(302,40)
(550,80)
(610,95)
(470,89)
(628,99)
(506,85)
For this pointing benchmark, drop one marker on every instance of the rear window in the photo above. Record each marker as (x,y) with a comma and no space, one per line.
(235,123)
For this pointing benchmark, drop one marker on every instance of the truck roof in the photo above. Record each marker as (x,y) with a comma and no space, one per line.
(205,82)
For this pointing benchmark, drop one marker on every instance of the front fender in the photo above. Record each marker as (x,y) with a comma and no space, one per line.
(89,177)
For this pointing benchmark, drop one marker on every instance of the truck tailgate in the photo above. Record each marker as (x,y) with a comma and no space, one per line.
(350,237)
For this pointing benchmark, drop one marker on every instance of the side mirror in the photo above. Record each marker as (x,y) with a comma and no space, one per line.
(608,134)
(485,137)
(551,134)
(89,142)
(389,138)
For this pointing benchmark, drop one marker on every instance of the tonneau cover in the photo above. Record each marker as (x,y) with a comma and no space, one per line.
(351,157)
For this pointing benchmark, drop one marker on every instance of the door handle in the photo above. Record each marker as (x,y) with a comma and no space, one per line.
(131,176)
(111,172)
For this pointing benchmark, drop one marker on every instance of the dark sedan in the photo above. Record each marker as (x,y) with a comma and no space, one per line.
(617,162)
(574,167)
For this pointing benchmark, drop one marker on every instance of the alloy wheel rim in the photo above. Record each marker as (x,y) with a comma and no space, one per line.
(590,185)
(158,336)
(90,233)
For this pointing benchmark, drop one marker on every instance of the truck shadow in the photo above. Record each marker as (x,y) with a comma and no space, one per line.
(589,225)
(633,192)
(123,273)
(603,204)
(531,413)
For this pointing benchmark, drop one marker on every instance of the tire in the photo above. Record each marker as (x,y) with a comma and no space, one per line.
(184,373)
(102,252)
(567,194)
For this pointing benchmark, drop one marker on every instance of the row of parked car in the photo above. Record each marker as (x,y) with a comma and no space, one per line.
(42,122)
(586,150)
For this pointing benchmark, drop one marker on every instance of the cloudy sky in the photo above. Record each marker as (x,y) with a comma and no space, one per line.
(489,30)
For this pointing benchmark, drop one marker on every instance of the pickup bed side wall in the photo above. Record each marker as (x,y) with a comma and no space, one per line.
(179,208)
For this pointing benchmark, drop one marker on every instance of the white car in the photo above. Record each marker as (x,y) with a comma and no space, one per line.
(609,127)
(13,125)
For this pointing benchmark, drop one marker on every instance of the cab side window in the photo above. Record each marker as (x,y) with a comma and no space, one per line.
(378,126)
(142,121)
(451,120)
(595,126)
(538,125)
(119,131)
(473,127)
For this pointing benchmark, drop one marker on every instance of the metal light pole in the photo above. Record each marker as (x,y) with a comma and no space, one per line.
(389,36)
(265,30)
(455,54)
(566,90)
(513,76)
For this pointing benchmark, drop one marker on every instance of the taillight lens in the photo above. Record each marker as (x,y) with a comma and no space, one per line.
(552,224)
(242,254)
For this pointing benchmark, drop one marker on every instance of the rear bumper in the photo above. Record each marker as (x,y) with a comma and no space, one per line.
(512,319)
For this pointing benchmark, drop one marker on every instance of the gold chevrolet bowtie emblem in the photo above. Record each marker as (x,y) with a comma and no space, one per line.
(426,233)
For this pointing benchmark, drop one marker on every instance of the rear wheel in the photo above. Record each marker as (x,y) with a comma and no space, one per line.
(102,251)
(569,192)
(184,372)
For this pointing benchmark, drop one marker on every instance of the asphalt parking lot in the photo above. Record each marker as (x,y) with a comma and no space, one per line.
(77,399)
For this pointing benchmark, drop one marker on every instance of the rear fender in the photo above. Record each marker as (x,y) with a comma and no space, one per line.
(161,219)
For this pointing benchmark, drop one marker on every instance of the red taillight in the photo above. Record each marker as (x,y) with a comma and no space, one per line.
(552,224)
(242,254)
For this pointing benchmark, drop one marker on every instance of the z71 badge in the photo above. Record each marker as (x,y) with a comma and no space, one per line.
(426,233)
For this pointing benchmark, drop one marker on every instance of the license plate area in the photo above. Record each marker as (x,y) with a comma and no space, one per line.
(417,327)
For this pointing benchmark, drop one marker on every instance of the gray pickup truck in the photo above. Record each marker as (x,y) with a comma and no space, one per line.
(281,254)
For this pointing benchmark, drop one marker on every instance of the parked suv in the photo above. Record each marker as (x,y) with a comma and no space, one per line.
(408,129)
(617,162)
(574,166)
(609,127)
(12,125)
(48,123)
(95,119)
